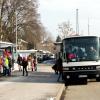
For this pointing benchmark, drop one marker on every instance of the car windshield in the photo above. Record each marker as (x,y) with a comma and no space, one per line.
(81,49)
(53,61)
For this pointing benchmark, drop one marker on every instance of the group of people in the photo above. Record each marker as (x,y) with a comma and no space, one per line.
(6,64)
(74,53)
(25,63)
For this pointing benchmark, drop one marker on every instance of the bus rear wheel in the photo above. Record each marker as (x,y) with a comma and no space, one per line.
(98,79)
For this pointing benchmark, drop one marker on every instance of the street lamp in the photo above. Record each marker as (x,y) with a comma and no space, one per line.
(77,23)
(16,30)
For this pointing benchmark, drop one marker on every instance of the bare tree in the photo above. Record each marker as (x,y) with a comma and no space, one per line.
(65,29)
(29,26)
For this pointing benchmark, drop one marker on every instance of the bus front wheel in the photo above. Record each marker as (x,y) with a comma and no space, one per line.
(98,79)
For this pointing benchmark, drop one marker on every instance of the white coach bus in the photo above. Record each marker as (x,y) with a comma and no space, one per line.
(81,58)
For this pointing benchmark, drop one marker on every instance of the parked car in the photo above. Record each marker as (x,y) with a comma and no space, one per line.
(52,61)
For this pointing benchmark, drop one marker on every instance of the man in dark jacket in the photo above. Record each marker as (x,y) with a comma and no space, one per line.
(59,67)
(24,64)
(19,61)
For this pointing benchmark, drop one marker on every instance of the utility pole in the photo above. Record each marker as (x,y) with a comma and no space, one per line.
(1,15)
(88,27)
(77,23)
(16,30)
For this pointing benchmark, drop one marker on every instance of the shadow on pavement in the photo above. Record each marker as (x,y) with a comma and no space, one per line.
(33,77)
(76,82)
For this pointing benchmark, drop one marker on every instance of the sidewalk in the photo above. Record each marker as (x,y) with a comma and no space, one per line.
(40,85)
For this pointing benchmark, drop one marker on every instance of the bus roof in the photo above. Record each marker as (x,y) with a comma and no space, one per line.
(6,44)
(80,36)
(26,51)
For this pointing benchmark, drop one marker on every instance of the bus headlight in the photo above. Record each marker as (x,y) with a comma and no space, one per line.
(98,67)
(73,68)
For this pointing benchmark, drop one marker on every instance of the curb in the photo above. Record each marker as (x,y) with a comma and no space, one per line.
(59,94)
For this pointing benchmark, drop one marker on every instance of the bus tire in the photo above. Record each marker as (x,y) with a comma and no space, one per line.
(85,80)
(66,83)
(98,79)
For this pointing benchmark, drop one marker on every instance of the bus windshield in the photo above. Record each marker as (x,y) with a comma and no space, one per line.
(81,49)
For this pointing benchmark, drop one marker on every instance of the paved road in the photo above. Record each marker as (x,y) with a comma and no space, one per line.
(91,91)
(40,85)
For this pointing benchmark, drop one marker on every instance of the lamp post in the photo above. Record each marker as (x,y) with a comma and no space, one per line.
(16,30)
(77,23)
(0,16)
(88,27)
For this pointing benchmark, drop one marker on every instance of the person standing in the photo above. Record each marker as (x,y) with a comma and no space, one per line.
(60,68)
(10,64)
(32,64)
(29,59)
(24,64)
(35,63)
(6,66)
(19,61)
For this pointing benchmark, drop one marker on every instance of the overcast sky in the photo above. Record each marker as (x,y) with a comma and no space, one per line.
(54,12)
